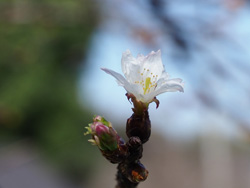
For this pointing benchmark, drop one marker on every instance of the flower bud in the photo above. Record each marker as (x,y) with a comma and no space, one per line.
(135,149)
(134,172)
(106,138)
(138,125)
(138,173)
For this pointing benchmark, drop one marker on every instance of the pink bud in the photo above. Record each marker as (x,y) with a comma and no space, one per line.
(107,139)
(101,129)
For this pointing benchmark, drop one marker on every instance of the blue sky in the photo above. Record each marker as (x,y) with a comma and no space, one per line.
(217,72)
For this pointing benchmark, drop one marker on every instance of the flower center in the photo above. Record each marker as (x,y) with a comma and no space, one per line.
(148,81)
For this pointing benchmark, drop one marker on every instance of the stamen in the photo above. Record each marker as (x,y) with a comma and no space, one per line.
(147,82)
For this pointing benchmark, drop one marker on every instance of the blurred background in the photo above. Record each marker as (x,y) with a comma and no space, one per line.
(51,85)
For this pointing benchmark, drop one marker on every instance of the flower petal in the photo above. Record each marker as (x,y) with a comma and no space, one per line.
(130,88)
(130,67)
(153,62)
(120,79)
(171,85)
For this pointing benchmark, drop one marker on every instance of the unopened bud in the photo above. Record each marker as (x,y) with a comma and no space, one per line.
(138,173)
(134,172)
(138,125)
(135,149)
(106,138)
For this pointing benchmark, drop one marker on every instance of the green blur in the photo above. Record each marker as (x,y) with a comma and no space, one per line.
(42,51)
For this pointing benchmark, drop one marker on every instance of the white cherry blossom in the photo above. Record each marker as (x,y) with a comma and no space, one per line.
(145,76)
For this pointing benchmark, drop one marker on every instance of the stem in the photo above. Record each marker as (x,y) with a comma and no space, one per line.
(131,171)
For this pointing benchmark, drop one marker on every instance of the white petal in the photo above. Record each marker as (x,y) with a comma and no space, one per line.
(164,77)
(140,58)
(130,67)
(147,98)
(130,88)
(153,62)
(120,79)
(134,89)
(170,86)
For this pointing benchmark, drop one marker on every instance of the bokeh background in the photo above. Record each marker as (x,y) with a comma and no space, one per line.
(51,85)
